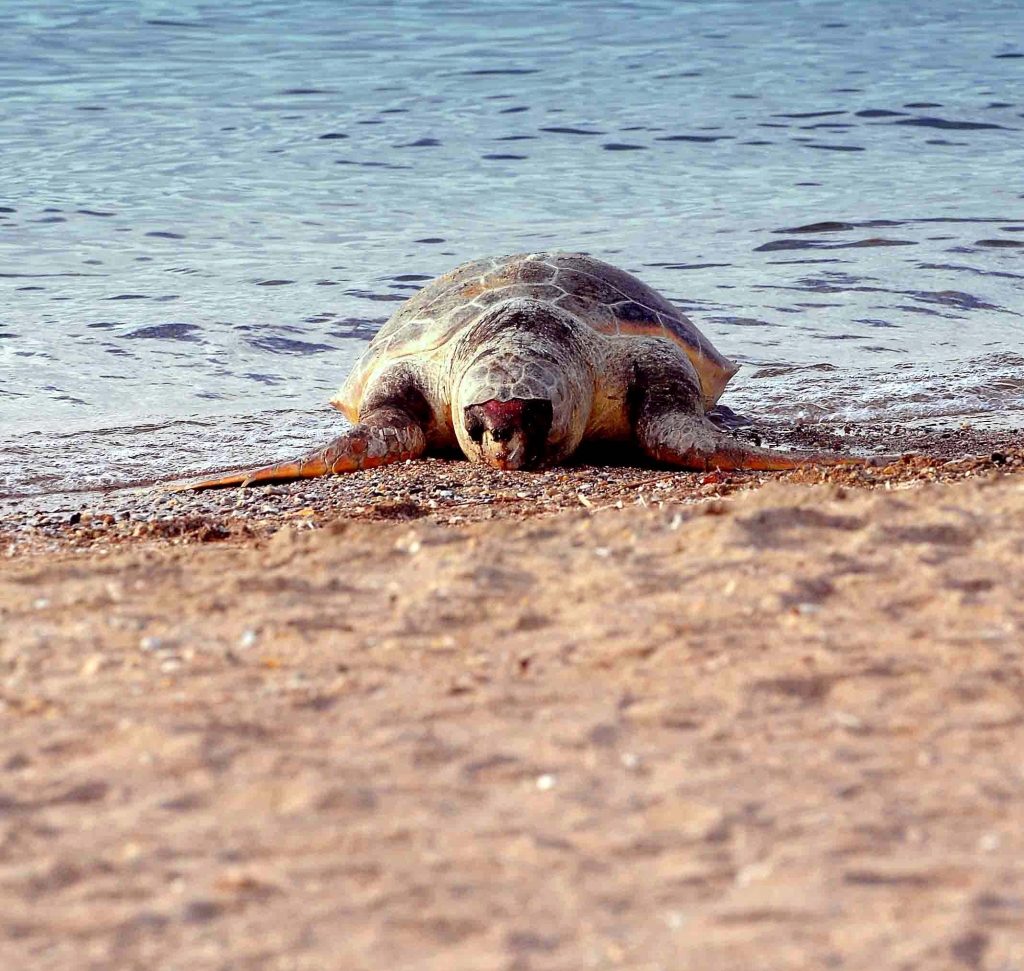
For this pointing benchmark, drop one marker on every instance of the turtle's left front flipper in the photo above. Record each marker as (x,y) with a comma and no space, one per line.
(667,412)
(383,436)
(692,442)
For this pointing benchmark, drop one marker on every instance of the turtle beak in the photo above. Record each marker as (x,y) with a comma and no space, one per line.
(506,452)
(507,435)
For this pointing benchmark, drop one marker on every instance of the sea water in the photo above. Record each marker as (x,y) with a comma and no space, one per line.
(207,209)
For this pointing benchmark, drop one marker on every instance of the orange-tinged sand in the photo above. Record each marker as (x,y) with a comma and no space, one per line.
(776,728)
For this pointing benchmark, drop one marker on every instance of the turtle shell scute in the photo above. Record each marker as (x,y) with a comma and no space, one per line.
(636,313)
(523,271)
(533,292)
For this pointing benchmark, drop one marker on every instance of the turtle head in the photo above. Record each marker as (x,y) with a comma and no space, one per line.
(523,389)
(510,434)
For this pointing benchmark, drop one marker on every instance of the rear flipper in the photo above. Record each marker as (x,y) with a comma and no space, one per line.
(384,436)
(690,441)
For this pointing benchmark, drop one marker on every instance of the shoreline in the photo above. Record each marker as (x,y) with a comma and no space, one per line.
(452,491)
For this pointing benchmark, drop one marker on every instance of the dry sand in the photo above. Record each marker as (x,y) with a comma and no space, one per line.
(719,727)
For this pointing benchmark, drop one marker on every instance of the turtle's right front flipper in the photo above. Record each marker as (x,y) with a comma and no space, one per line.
(384,436)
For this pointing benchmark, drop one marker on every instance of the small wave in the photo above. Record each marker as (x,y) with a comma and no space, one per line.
(991,386)
(166,332)
(284,345)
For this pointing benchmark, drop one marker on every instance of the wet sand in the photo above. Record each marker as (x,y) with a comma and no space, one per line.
(451,491)
(433,717)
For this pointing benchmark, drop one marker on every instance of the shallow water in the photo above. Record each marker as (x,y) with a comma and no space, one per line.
(207,209)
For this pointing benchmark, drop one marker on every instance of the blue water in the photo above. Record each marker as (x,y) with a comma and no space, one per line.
(207,209)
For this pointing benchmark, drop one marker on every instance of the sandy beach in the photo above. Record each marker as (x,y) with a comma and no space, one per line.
(439,717)
(435,717)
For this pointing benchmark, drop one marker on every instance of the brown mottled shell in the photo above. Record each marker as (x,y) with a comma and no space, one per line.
(608,299)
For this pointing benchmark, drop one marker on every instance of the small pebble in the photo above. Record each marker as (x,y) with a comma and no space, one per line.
(846,720)
(92,665)
(989,842)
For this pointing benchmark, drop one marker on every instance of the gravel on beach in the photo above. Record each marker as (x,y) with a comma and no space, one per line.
(450,491)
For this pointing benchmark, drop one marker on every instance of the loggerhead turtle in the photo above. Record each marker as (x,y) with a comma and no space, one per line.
(516,360)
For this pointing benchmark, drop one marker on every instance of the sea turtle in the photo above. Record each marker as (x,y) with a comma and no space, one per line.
(517,360)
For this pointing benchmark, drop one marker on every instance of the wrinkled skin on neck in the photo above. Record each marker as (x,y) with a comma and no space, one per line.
(523,386)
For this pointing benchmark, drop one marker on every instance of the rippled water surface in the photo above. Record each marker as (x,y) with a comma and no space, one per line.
(207,209)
